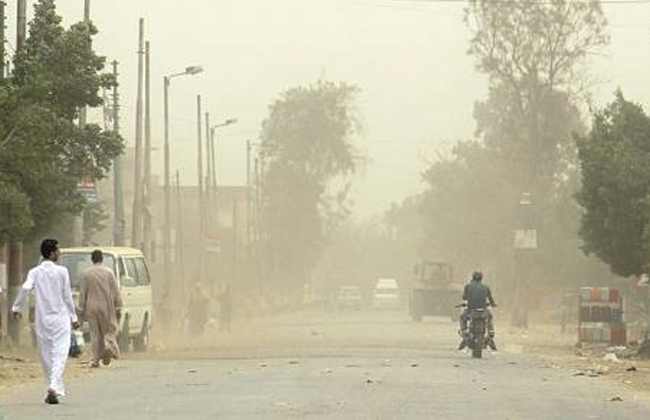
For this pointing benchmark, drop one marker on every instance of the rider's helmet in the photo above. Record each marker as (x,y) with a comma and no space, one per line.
(477,276)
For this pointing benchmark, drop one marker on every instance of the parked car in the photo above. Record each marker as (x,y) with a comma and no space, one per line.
(349,297)
(132,274)
(386,294)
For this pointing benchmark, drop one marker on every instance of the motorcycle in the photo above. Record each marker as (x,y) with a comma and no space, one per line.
(478,338)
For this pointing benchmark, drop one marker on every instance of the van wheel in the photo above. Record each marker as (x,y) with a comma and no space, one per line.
(141,343)
(123,339)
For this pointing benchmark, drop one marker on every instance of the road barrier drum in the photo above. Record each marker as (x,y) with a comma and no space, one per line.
(601,317)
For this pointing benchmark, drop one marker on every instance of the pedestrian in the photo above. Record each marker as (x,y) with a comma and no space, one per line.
(55,315)
(100,303)
(225,310)
(198,309)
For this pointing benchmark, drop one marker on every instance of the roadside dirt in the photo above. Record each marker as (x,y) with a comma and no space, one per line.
(559,350)
(22,366)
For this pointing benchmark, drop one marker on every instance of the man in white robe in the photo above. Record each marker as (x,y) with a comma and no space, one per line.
(55,315)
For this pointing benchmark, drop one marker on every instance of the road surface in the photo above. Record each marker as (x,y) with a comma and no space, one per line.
(358,365)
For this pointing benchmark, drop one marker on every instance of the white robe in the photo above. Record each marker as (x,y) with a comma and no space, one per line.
(55,312)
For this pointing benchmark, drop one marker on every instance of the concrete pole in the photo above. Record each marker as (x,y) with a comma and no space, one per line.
(180,238)
(15,279)
(4,303)
(118,204)
(2,40)
(83,112)
(86,11)
(249,206)
(147,233)
(21,24)
(201,236)
(208,177)
(136,228)
(167,230)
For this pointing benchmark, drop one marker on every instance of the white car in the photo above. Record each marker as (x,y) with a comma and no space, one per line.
(386,294)
(133,279)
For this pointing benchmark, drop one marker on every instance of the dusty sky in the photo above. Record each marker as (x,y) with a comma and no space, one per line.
(409,58)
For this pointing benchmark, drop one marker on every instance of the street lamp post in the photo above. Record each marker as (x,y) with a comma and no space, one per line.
(189,71)
(212,151)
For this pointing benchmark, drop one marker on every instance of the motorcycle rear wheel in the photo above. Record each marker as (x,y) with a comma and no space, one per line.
(477,349)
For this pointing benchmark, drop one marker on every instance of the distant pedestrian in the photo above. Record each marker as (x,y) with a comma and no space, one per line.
(100,303)
(55,314)
(225,310)
(198,309)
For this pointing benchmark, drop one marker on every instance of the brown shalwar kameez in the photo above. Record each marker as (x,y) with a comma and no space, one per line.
(99,301)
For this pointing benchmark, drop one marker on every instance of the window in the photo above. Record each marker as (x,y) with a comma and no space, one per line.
(77,263)
(137,270)
(143,273)
(131,278)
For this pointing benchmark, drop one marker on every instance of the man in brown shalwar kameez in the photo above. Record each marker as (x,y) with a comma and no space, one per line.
(100,302)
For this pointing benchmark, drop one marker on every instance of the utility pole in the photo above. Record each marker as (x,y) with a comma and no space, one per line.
(83,111)
(213,153)
(15,247)
(179,229)
(137,181)
(201,235)
(2,40)
(208,192)
(249,148)
(21,24)
(147,234)
(118,194)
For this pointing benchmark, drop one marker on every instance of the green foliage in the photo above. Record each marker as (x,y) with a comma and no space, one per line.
(46,154)
(307,138)
(615,163)
(15,217)
(533,54)
(94,218)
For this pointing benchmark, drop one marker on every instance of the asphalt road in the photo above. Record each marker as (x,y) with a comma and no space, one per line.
(341,366)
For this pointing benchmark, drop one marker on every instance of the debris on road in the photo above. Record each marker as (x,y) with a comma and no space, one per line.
(616,399)
(414,365)
(611,357)
(294,362)
(631,369)
(191,371)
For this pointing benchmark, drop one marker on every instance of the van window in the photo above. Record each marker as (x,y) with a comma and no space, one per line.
(131,273)
(77,263)
(143,274)
(120,267)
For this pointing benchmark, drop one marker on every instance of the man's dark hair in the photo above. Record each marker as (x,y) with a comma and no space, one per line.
(49,246)
(97,256)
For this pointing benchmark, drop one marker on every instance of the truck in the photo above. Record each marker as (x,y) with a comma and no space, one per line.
(433,291)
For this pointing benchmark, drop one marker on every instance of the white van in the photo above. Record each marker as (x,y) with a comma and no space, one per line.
(132,274)
(386,294)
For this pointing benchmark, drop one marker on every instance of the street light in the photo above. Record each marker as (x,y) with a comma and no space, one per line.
(189,71)
(227,122)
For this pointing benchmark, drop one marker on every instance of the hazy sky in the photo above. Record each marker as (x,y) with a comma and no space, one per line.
(408,57)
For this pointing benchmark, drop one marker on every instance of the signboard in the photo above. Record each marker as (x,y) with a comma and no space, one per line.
(526,239)
(213,244)
(88,188)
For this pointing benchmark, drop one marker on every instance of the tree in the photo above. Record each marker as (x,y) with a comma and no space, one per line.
(308,140)
(615,164)
(534,55)
(94,218)
(56,73)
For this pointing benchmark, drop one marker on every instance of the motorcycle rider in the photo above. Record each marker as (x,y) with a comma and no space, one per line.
(477,295)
